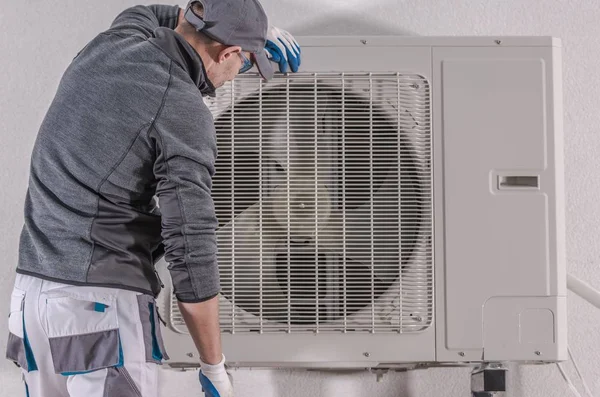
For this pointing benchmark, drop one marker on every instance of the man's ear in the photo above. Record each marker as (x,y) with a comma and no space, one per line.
(181,17)
(228,52)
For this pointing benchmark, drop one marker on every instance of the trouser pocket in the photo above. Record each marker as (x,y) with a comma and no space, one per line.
(153,342)
(82,326)
(83,330)
(18,348)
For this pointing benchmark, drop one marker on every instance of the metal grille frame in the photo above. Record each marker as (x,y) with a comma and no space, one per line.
(314,125)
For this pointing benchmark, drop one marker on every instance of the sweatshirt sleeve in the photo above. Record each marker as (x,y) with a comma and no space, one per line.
(185,146)
(143,20)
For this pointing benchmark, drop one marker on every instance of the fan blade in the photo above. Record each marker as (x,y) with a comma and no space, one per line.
(247,249)
(304,142)
(369,234)
(267,274)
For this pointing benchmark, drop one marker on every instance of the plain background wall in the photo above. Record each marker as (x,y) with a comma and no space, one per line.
(38,39)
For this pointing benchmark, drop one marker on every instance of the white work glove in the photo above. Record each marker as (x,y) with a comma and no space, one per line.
(282,48)
(215,380)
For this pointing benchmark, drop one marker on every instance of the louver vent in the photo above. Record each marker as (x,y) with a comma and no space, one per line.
(323,193)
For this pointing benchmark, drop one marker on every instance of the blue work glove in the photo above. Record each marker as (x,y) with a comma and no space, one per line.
(215,380)
(283,49)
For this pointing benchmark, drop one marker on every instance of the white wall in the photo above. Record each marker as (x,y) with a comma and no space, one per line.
(39,38)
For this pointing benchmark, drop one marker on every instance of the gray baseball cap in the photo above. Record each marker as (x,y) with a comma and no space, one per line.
(235,23)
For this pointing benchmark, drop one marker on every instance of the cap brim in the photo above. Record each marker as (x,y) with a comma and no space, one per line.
(265,66)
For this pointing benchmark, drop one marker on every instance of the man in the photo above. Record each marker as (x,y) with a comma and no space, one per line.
(128,123)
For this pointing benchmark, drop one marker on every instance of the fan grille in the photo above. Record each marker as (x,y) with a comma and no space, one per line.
(336,172)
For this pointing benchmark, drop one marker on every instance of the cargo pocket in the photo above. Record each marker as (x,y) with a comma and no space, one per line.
(83,331)
(153,342)
(18,349)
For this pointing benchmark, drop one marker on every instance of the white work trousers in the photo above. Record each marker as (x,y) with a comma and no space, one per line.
(82,341)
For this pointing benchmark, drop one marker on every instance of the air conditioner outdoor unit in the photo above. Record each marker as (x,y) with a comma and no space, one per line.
(397,201)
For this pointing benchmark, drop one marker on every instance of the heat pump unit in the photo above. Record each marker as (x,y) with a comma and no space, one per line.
(397,201)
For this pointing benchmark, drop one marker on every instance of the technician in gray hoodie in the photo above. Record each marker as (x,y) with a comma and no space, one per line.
(128,123)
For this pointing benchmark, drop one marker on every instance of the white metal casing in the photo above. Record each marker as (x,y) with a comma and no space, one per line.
(498,209)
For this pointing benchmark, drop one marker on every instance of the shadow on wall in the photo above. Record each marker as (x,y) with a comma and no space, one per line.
(348,24)
(515,380)
(289,383)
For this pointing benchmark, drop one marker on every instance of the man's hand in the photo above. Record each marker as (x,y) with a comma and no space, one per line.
(215,380)
(283,49)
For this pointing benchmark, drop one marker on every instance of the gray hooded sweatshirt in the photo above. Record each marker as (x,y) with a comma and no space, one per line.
(128,123)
